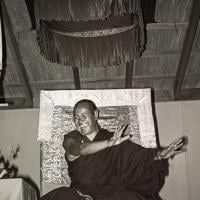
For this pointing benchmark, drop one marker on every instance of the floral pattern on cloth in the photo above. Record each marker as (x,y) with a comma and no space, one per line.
(54,166)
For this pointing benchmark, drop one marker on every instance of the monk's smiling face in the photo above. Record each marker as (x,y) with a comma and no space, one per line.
(85,119)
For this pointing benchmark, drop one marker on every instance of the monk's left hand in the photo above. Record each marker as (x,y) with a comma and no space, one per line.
(174,148)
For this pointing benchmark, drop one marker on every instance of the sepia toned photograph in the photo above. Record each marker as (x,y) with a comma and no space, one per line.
(99,99)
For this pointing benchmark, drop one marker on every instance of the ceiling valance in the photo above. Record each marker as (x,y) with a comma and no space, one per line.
(89,33)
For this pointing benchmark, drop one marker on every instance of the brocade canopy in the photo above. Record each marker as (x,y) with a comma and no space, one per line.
(89,33)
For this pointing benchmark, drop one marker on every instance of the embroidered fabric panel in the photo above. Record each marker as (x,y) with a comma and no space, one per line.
(56,121)
(54,166)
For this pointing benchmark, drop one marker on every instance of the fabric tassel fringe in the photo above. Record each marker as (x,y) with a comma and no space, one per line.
(75,51)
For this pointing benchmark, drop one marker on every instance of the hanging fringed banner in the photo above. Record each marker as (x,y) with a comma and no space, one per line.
(102,33)
(81,44)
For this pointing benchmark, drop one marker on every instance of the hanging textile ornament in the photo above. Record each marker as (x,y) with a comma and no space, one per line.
(89,33)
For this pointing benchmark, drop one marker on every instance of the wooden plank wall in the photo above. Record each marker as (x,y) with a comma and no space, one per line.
(155,69)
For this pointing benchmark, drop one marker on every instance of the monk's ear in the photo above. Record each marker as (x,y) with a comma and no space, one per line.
(96,114)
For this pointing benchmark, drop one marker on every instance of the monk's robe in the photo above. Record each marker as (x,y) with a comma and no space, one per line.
(123,172)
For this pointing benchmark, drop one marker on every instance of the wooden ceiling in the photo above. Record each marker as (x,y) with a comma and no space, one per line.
(170,64)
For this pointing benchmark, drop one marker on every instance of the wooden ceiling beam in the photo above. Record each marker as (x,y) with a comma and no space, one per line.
(15,53)
(129,74)
(91,80)
(76,78)
(166,25)
(159,53)
(187,47)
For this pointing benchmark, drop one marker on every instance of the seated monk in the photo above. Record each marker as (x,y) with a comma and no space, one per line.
(108,166)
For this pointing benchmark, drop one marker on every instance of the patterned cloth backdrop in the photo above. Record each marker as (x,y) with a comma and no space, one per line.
(56,121)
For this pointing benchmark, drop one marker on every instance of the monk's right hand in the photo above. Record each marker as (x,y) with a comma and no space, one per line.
(117,136)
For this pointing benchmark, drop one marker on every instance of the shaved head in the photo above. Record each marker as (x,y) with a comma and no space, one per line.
(85,103)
